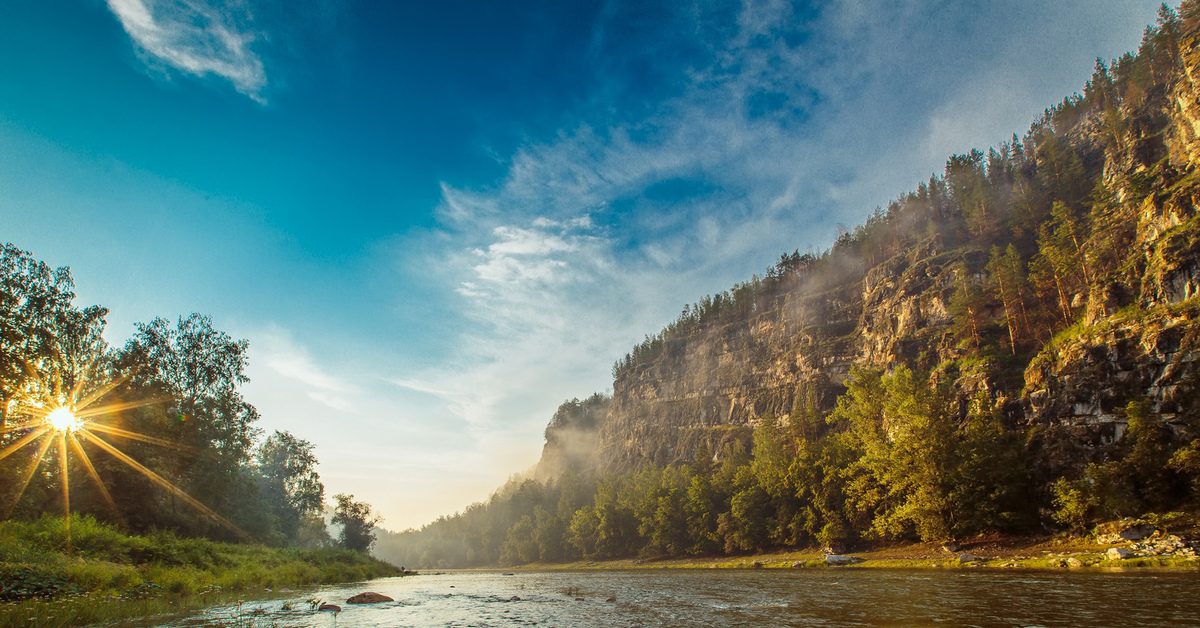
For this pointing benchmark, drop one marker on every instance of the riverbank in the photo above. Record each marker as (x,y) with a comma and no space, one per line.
(1153,548)
(103,575)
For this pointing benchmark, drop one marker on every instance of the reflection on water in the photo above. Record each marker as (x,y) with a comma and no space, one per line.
(739,598)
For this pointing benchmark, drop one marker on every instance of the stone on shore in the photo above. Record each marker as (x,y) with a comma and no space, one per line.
(1118,553)
(967,558)
(835,559)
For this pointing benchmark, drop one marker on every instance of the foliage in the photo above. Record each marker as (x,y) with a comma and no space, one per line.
(170,399)
(288,483)
(357,523)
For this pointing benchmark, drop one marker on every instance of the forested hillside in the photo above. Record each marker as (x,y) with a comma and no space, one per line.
(1010,347)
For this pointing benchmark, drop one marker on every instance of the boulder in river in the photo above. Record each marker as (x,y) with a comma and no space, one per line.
(330,608)
(369,597)
(836,559)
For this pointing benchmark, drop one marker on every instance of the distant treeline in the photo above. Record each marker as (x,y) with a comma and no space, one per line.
(897,459)
(169,400)
(902,456)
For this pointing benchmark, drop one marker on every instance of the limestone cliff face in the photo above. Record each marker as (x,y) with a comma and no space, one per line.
(1138,338)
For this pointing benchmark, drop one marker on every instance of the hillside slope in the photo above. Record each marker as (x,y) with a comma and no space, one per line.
(1105,182)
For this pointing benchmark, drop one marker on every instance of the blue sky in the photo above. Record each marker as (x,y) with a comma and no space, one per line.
(435,221)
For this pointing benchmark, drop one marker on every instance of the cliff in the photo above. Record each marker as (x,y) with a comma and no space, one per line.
(1094,307)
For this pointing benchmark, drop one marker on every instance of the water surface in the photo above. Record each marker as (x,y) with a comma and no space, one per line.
(703,597)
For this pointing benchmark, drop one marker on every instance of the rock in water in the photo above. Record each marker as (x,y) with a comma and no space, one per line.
(331,608)
(370,597)
(835,559)
(1118,553)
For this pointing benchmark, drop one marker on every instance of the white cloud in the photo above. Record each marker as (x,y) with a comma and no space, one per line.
(196,37)
(569,259)
(287,358)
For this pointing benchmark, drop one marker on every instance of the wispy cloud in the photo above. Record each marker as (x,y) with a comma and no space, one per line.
(196,37)
(287,358)
(791,124)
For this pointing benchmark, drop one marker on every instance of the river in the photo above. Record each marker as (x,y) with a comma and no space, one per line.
(703,597)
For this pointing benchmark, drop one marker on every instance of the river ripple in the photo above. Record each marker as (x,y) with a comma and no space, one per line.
(828,597)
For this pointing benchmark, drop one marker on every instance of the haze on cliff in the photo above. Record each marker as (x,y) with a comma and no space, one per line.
(435,223)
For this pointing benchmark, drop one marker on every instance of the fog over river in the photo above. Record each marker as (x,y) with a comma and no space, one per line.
(695,597)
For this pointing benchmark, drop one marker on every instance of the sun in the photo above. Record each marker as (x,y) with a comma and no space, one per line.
(75,421)
(63,420)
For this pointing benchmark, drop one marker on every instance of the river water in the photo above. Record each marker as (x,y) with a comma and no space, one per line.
(703,597)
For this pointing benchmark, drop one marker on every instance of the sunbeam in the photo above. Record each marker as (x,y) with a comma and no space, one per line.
(119,407)
(66,485)
(87,464)
(157,479)
(98,393)
(34,463)
(24,440)
(123,433)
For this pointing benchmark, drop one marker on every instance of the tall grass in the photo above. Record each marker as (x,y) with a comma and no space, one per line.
(100,574)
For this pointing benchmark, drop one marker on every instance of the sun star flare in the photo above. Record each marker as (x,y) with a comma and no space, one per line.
(63,420)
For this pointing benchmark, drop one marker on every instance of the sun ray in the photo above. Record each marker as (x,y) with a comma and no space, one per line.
(33,465)
(123,433)
(100,392)
(87,464)
(66,486)
(117,407)
(24,425)
(157,479)
(24,440)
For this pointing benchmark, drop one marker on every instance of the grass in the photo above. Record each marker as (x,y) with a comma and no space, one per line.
(103,575)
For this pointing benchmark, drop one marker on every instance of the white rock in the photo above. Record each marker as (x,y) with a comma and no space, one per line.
(1118,553)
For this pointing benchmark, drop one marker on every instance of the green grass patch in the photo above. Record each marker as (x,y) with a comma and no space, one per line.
(99,574)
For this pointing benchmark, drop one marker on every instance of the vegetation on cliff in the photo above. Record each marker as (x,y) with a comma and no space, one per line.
(1045,381)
